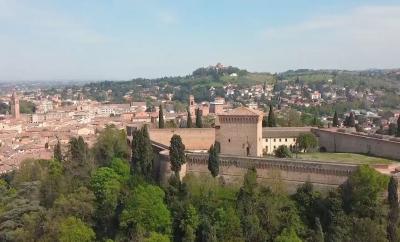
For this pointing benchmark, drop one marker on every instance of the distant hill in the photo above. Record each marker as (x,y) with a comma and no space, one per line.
(202,79)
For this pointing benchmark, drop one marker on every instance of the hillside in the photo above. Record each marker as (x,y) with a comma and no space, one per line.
(202,79)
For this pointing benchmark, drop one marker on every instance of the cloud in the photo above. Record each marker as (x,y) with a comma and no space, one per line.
(363,37)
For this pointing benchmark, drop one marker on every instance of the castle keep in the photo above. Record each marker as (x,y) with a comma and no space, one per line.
(239,132)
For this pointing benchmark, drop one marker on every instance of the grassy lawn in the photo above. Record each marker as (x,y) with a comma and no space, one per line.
(345,157)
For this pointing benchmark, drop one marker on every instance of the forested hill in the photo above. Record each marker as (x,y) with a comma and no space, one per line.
(202,79)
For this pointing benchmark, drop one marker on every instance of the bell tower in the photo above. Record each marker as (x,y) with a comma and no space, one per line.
(15,106)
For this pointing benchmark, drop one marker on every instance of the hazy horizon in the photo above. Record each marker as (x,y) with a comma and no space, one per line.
(120,40)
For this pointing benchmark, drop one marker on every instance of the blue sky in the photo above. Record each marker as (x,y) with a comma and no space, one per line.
(123,39)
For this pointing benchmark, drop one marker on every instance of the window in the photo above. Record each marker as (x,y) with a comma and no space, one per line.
(280,140)
(274,140)
(266,140)
(285,140)
(229,140)
(274,147)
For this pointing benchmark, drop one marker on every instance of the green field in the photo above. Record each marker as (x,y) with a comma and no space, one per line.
(345,157)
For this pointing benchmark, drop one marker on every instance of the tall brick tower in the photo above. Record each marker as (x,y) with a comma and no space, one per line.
(192,105)
(15,106)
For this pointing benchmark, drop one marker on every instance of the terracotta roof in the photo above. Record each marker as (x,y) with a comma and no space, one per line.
(243,111)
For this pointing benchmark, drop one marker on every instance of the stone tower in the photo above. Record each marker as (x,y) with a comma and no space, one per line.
(192,105)
(15,106)
(239,132)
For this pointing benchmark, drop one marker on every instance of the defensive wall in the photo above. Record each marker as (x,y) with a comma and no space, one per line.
(333,140)
(193,138)
(291,172)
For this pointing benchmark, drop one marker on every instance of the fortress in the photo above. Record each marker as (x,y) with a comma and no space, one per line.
(243,143)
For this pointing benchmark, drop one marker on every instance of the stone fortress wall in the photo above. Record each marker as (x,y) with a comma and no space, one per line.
(291,172)
(331,140)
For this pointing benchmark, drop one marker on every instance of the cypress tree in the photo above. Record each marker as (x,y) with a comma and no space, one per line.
(335,122)
(177,154)
(213,161)
(271,117)
(352,121)
(161,123)
(57,154)
(189,119)
(265,122)
(142,153)
(393,216)
(398,127)
(199,122)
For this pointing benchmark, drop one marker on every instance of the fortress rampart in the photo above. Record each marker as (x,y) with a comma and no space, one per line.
(291,172)
(335,141)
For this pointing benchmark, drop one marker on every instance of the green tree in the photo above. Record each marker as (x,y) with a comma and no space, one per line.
(111,143)
(283,152)
(398,127)
(57,153)
(307,142)
(145,209)
(227,225)
(271,117)
(335,122)
(319,233)
(288,235)
(265,121)
(199,121)
(74,230)
(189,119)
(78,165)
(161,123)
(177,153)
(142,154)
(350,120)
(206,231)
(213,161)
(106,187)
(52,184)
(156,237)
(360,193)
(393,216)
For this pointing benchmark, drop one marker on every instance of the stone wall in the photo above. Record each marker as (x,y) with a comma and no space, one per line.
(334,141)
(194,139)
(292,172)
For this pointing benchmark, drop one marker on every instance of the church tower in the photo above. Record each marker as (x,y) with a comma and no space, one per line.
(15,106)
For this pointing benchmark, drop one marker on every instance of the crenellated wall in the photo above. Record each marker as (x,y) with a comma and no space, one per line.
(292,172)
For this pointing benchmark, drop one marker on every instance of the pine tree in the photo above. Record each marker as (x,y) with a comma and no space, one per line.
(189,119)
(213,161)
(398,127)
(142,154)
(393,216)
(199,122)
(271,117)
(57,154)
(335,120)
(177,154)
(161,123)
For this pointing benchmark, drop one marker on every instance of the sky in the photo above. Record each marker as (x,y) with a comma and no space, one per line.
(125,39)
